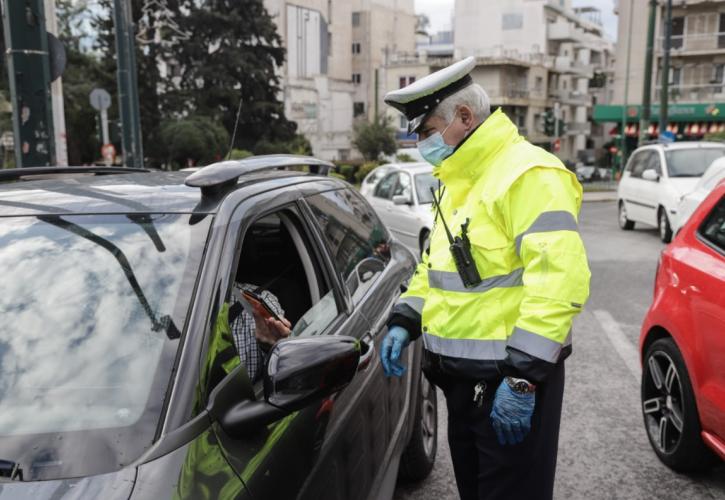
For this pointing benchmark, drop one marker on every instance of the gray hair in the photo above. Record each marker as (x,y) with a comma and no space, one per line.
(472,96)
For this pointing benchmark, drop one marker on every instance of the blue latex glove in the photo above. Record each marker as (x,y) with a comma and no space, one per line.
(511,414)
(394,342)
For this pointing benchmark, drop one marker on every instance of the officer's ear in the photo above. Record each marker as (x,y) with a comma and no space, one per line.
(467,118)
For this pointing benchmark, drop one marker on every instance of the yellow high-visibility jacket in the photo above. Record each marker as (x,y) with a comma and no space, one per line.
(523,206)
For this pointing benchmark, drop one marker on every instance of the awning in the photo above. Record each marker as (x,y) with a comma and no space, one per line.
(712,112)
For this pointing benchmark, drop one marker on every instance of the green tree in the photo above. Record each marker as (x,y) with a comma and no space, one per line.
(232,53)
(375,139)
(195,140)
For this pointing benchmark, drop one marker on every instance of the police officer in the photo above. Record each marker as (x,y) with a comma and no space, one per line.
(495,294)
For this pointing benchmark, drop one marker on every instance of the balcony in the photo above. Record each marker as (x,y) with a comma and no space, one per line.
(705,43)
(692,93)
(564,64)
(562,31)
(570,97)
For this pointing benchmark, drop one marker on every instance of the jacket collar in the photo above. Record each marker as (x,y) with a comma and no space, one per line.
(472,157)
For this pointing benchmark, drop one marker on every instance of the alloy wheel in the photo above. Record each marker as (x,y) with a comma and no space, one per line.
(662,402)
(428,416)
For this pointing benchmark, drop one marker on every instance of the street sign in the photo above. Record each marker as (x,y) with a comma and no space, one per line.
(58,58)
(108,151)
(667,137)
(100,99)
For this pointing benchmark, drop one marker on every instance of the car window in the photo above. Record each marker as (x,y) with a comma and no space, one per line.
(639,163)
(93,307)
(278,264)
(423,183)
(654,162)
(355,237)
(376,175)
(402,188)
(385,187)
(713,229)
(691,162)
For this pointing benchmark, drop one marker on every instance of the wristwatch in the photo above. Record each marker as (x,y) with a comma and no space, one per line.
(520,385)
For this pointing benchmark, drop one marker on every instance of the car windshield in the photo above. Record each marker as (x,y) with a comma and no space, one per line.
(377,174)
(93,307)
(691,162)
(423,183)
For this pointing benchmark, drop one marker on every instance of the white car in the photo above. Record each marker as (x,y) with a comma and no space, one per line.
(403,200)
(657,176)
(711,178)
(370,181)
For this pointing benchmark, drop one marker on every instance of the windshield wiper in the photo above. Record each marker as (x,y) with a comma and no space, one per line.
(10,470)
(157,324)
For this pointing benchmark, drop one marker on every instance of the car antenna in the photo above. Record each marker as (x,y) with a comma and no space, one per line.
(236,123)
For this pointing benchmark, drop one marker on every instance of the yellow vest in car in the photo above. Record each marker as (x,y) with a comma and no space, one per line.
(522,204)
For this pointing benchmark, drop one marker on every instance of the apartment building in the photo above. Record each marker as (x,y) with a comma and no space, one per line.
(538,55)
(381,29)
(316,77)
(696,98)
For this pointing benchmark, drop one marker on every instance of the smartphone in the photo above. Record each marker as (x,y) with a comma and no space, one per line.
(260,305)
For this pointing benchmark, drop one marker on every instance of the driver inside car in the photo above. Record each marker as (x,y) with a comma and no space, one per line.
(253,328)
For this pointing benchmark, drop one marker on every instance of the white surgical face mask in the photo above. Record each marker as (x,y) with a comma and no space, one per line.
(434,149)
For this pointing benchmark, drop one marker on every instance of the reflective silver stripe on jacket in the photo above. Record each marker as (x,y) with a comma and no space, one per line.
(451,281)
(537,345)
(466,348)
(415,303)
(558,220)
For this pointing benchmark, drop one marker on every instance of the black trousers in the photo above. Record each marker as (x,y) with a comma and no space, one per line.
(485,469)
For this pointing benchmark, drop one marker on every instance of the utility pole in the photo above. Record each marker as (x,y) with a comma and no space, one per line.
(665,90)
(56,94)
(623,145)
(647,90)
(127,84)
(28,63)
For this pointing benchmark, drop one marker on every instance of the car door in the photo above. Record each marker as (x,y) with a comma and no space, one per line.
(707,299)
(360,249)
(382,199)
(278,459)
(651,190)
(404,220)
(632,187)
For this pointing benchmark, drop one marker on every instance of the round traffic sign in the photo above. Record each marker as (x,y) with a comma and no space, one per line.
(100,99)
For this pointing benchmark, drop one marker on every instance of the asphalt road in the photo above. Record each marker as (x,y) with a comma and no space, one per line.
(603,449)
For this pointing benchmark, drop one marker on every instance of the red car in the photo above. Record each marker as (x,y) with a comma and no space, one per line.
(682,344)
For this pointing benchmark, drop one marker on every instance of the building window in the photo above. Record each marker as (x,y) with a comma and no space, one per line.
(678,32)
(539,84)
(512,21)
(403,122)
(721,32)
(358,108)
(675,76)
(356,78)
(717,77)
(356,48)
(356,19)
(404,81)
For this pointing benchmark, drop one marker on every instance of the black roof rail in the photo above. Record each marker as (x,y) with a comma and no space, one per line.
(216,175)
(14,174)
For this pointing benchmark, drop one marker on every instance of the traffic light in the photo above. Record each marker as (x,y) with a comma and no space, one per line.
(549,123)
(562,128)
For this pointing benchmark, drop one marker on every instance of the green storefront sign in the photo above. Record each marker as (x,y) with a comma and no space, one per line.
(708,112)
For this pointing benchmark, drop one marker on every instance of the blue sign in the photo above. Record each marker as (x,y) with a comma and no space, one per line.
(667,137)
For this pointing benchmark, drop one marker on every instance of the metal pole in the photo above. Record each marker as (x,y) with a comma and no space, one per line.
(647,88)
(28,64)
(665,90)
(56,95)
(626,86)
(127,85)
(376,95)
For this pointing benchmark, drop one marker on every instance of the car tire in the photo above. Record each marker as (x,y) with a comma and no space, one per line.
(624,222)
(420,454)
(669,406)
(424,241)
(663,224)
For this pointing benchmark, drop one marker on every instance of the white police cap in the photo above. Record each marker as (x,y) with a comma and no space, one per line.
(420,98)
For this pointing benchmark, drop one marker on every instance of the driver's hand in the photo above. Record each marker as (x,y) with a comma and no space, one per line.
(269,330)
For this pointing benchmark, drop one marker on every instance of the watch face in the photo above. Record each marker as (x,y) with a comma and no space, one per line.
(521,386)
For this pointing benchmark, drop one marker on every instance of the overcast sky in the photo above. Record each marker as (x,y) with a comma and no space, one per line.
(440,13)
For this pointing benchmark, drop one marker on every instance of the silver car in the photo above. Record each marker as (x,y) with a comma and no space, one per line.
(403,200)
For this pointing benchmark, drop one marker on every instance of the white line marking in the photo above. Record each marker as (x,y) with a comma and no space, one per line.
(624,347)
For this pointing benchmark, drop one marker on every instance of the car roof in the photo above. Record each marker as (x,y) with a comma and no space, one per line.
(683,145)
(143,192)
(415,167)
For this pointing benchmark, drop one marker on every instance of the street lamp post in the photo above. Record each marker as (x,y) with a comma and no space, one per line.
(665,90)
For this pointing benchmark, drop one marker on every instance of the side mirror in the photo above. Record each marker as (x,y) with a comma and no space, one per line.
(650,175)
(299,371)
(401,199)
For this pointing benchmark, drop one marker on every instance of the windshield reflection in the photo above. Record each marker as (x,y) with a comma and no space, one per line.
(89,306)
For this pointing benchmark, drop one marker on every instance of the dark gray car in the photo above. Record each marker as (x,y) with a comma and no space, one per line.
(120,377)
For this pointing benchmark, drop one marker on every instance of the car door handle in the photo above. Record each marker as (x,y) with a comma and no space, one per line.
(368,351)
